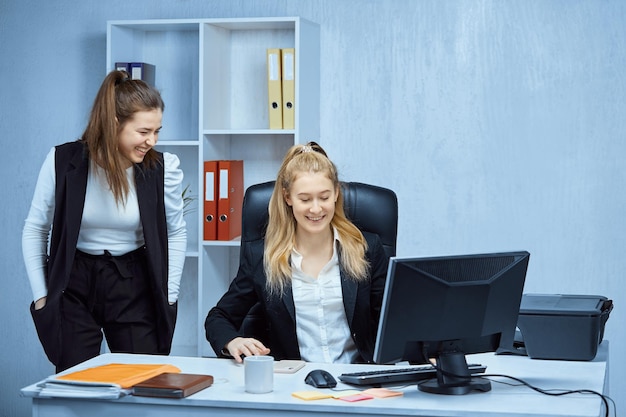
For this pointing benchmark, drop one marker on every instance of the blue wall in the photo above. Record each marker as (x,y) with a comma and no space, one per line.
(500,125)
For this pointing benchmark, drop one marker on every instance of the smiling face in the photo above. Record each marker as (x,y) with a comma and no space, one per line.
(139,134)
(312,198)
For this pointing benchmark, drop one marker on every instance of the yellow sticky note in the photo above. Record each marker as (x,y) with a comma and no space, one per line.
(311,395)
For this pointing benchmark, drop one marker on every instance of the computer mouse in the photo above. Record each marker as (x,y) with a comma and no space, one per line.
(320,378)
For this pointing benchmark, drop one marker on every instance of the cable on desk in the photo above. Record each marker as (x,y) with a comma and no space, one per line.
(557,392)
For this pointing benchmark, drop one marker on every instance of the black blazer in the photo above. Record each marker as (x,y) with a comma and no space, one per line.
(362,302)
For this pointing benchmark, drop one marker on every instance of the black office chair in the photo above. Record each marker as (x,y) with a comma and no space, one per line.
(371,208)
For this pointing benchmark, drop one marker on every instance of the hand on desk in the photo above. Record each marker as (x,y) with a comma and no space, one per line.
(246,346)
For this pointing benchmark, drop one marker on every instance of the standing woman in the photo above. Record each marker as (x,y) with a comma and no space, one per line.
(318,278)
(114,210)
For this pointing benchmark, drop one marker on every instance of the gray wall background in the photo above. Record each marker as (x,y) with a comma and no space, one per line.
(500,125)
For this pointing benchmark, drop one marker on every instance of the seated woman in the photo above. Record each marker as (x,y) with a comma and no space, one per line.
(318,278)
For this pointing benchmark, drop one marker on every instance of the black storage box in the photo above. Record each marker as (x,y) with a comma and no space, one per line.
(569,327)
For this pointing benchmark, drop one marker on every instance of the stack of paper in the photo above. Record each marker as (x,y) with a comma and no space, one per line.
(76,389)
(106,381)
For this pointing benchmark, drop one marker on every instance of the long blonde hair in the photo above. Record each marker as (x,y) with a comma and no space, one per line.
(118,99)
(281,228)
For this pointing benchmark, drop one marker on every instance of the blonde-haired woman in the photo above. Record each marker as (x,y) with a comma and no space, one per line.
(318,278)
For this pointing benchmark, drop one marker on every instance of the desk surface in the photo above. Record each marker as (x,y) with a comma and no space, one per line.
(228,397)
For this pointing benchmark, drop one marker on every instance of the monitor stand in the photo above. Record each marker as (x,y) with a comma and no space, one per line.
(454,377)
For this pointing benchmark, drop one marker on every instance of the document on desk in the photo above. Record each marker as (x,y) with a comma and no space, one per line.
(52,387)
(125,375)
(108,381)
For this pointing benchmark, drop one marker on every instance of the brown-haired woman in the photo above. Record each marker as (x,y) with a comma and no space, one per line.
(112,206)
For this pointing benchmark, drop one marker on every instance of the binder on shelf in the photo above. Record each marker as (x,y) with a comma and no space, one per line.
(288,59)
(123,66)
(143,71)
(274,89)
(230,199)
(210,200)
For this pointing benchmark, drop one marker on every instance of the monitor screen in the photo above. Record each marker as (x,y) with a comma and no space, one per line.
(445,307)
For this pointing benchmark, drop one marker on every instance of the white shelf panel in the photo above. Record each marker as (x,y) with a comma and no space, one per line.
(220,243)
(249,132)
(177,143)
(212,76)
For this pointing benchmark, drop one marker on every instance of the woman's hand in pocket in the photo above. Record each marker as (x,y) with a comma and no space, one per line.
(41,303)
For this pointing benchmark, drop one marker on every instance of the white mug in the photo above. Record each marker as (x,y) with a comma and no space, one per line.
(259,374)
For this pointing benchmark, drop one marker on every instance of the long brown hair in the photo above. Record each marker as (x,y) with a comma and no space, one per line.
(118,99)
(281,229)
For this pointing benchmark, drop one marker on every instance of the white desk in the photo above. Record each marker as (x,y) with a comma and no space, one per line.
(227,396)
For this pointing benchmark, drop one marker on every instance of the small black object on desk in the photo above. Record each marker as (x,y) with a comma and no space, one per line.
(320,378)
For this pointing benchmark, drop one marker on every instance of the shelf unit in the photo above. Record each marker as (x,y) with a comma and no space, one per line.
(212,76)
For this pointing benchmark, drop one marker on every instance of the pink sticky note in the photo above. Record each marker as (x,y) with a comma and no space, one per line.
(356,397)
(382,392)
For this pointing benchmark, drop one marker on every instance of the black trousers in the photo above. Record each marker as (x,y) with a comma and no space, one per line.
(111,295)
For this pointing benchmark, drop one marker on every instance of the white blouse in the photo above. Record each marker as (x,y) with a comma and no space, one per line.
(322,327)
(105,224)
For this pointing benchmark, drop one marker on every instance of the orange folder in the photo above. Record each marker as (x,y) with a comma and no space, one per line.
(210,200)
(122,374)
(230,199)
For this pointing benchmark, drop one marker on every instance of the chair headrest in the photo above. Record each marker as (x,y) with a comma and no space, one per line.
(371,208)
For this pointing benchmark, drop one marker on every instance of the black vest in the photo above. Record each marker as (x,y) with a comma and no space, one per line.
(72,165)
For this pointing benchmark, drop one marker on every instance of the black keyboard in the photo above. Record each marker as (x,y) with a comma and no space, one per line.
(399,375)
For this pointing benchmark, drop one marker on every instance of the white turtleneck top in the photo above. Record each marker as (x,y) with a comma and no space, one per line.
(105,225)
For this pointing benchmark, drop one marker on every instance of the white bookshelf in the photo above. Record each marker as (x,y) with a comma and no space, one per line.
(212,76)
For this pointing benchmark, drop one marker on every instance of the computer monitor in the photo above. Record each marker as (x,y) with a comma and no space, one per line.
(449,306)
